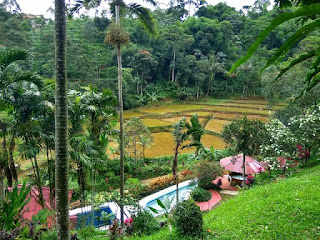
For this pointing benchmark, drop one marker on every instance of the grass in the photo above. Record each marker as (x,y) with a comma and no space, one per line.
(287,209)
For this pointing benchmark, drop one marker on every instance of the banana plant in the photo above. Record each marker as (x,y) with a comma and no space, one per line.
(12,208)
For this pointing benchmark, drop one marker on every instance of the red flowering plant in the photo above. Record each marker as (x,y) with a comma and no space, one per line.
(250,180)
(303,153)
(128,221)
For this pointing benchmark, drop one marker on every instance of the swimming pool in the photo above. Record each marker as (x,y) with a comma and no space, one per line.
(167,197)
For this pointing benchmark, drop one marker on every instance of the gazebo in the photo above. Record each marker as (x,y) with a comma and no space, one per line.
(234,164)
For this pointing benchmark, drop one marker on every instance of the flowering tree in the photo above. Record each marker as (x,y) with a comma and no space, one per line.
(307,131)
(296,139)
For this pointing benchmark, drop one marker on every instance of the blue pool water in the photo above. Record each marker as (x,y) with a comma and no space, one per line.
(169,199)
(84,219)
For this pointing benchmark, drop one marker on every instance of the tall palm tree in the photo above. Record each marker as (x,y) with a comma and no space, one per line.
(148,23)
(61,120)
(13,77)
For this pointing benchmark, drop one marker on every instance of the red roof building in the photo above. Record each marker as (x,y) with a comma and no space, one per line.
(33,206)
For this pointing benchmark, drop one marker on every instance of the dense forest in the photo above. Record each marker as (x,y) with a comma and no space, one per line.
(199,83)
(190,57)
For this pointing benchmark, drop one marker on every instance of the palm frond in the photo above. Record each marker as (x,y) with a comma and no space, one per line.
(313,73)
(304,11)
(206,121)
(296,61)
(145,16)
(301,33)
(152,2)
(9,56)
(79,4)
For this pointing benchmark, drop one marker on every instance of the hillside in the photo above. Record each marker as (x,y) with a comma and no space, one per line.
(288,209)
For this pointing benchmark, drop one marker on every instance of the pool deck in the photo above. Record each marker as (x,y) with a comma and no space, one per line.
(215,199)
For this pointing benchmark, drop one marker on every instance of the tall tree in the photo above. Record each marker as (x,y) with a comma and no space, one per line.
(61,120)
(117,37)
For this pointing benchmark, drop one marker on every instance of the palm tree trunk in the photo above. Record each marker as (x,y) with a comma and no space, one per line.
(174,66)
(38,180)
(117,11)
(12,164)
(61,120)
(1,186)
(175,171)
(244,169)
(49,176)
(6,158)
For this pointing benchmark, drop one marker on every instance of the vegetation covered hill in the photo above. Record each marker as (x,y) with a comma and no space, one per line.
(286,209)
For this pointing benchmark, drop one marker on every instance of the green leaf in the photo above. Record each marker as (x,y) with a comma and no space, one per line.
(161,204)
(295,62)
(154,210)
(302,32)
(300,12)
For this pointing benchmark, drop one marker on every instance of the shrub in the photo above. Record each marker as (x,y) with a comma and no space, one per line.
(134,186)
(207,172)
(144,223)
(201,195)
(188,219)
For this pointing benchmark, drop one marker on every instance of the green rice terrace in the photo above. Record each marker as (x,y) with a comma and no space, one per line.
(160,118)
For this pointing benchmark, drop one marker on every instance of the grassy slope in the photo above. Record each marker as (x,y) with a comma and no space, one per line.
(288,209)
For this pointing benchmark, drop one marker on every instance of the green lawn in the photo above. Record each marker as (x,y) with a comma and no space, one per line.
(288,209)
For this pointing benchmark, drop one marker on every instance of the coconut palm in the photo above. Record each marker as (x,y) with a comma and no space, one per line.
(61,120)
(117,36)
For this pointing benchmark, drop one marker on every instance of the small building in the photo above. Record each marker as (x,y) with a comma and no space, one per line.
(33,206)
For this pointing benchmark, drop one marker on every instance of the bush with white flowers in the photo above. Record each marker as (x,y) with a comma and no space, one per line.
(302,132)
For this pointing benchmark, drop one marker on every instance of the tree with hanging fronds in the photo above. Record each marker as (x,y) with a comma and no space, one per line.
(307,16)
(181,133)
(117,36)
(196,130)
(15,81)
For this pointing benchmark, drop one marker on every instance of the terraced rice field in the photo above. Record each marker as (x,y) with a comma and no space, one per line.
(253,106)
(239,110)
(151,122)
(132,114)
(216,125)
(164,144)
(223,111)
(169,108)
